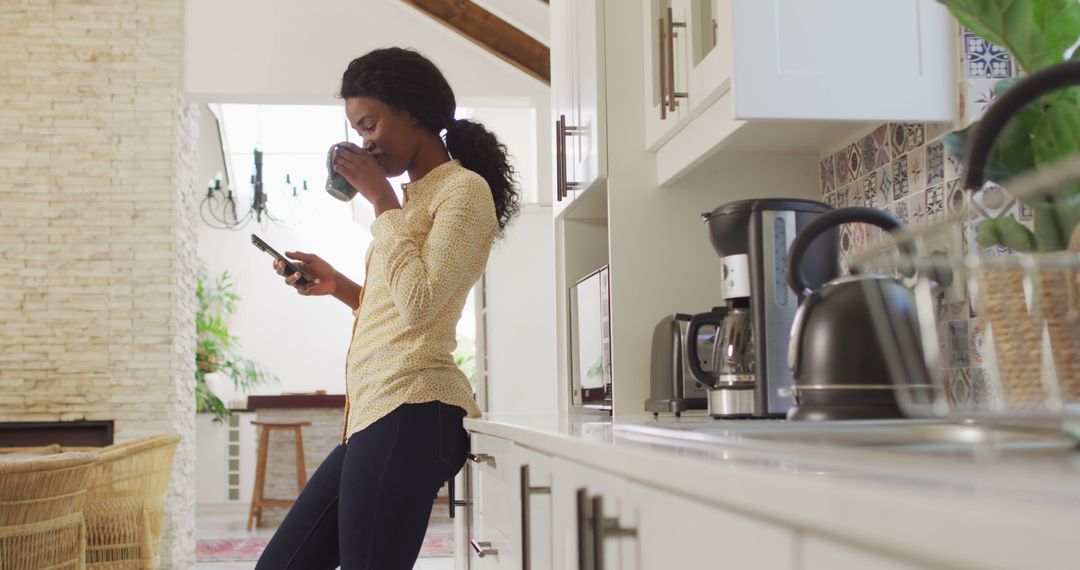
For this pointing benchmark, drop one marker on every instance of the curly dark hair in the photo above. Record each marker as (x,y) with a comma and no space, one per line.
(405,79)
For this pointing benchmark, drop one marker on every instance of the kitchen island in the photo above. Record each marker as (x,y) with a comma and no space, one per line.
(768,494)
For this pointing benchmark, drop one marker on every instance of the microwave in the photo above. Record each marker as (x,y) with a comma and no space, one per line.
(590,341)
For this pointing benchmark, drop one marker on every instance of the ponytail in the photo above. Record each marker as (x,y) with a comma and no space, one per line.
(479,150)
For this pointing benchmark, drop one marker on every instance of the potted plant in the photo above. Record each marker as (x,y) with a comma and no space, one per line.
(216,348)
(1038,34)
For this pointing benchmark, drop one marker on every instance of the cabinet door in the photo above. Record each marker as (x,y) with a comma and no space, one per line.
(844,60)
(665,60)
(586,139)
(576,491)
(824,554)
(709,53)
(563,100)
(534,498)
(676,532)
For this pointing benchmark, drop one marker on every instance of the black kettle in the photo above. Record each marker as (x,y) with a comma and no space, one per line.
(842,361)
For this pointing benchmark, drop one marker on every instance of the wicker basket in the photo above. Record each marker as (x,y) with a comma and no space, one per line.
(1027,379)
(125,503)
(41,503)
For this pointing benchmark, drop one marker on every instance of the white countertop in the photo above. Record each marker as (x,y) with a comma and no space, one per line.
(1011,511)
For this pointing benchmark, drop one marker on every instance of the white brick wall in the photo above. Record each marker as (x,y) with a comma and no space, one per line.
(97,226)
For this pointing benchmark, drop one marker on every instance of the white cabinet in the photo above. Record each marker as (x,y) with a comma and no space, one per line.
(823,554)
(676,532)
(578,96)
(593,520)
(788,75)
(535,503)
(492,518)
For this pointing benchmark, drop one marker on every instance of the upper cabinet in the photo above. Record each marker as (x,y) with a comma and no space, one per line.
(577,86)
(787,75)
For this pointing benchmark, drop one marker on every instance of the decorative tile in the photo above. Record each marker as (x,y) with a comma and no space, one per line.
(843,196)
(872,149)
(828,175)
(898,143)
(982,386)
(1025,213)
(916,135)
(978,95)
(916,159)
(958,386)
(884,182)
(830,199)
(847,243)
(934,200)
(855,162)
(979,342)
(868,191)
(901,182)
(919,213)
(953,166)
(902,211)
(954,198)
(843,172)
(984,59)
(959,344)
(935,130)
(935,163)
(993,201)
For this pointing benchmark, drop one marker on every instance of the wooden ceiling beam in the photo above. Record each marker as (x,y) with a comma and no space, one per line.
(492,33)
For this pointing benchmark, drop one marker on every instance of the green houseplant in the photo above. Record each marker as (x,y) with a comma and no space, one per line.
(216,348)
(1038,34)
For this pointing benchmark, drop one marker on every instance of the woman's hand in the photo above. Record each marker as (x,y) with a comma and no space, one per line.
(324,275)
(365,174)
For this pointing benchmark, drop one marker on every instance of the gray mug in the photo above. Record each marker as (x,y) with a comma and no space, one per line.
(336,185)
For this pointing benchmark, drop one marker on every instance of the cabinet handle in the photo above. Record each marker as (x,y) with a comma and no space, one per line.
(451,502)
(527,490)
(603,528)
(661,34)
(583,529)
(560,158)
(562,130)
(483,548)
(482,458)
(673,95)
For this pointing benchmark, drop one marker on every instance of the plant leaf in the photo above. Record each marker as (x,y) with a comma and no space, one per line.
(1006,23)
(1056,135)
(1007,232)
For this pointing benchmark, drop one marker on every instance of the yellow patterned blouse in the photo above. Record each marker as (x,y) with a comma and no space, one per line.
(421,265)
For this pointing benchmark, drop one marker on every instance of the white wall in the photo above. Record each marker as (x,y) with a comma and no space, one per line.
(303,340)
(258,51)
(521,316)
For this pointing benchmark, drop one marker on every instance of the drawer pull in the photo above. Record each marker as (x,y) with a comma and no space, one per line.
(673,95)
(483,548)
(604,528)
(482,458)
(527,490)
(451,501)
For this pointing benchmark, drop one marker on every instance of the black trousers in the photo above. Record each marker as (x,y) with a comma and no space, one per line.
(367,505)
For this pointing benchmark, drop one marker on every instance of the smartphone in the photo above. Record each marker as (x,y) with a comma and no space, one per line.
(290,267)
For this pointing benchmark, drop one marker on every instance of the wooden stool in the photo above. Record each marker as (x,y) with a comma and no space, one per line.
(258,501)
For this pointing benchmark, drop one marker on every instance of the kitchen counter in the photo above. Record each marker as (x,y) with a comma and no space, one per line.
(1019,508)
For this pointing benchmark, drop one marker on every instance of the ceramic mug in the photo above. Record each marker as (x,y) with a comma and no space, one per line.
(336,185)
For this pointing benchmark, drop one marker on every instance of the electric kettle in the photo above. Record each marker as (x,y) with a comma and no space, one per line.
(843,365)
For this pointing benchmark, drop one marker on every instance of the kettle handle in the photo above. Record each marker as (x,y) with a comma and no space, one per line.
(827,221)
(715,317)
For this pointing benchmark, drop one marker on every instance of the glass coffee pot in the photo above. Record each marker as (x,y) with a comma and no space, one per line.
(732,377)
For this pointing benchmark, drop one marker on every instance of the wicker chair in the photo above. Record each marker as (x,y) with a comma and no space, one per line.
(125,503)
(41,520)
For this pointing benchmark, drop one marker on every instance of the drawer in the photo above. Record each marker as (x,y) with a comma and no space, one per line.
(495,483)
(488,537)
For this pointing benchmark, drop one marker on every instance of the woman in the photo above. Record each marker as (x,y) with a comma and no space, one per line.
(368,503)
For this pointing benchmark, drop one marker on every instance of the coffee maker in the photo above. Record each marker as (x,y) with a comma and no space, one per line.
(752,238)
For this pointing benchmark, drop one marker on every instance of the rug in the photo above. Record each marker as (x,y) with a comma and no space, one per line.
(436,544)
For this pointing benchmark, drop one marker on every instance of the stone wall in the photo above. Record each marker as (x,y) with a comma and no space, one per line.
(97,231)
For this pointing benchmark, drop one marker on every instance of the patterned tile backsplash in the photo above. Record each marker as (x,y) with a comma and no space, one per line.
(904,169)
